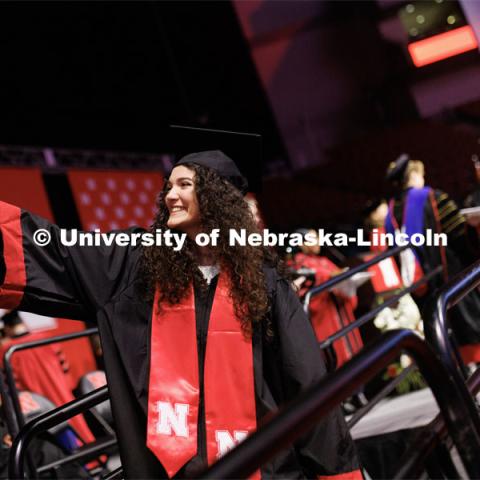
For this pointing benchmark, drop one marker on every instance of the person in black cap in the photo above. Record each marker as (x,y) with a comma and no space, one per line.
(13,325)
(199,343)
(416,208)
(396,170)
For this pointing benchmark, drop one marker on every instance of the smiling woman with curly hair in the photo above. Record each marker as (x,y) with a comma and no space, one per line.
(220,206)
(243,311)
(199,344)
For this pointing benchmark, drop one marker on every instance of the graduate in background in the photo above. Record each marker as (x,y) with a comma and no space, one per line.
(415,208)
(387,280)
(199,344)
(330,311)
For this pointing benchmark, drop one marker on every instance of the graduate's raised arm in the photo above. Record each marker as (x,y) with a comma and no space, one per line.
(327,451)
(54,279)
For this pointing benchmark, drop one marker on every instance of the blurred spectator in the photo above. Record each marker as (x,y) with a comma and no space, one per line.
(40,369)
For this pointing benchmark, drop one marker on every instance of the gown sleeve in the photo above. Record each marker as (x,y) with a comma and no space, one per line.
(56,280)
(454,224)
(327,451)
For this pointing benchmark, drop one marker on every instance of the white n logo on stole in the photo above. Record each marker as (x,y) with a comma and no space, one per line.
(225,442)
(172,419)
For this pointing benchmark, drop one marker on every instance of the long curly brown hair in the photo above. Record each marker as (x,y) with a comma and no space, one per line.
(221,206)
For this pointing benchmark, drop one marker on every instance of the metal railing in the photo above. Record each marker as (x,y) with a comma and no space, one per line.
(447,297)
(328,342)
(347,274)
(16,461)
(388,388)
(440,368)
(84,454)
(437,330)
(412,461)
(298,417)
(12,388)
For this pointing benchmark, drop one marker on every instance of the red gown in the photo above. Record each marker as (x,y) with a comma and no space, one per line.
(329,312)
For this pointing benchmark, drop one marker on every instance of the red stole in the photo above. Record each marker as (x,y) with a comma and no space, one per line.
(173,397)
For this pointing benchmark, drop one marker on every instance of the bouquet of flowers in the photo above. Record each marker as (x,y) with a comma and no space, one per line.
(405,314)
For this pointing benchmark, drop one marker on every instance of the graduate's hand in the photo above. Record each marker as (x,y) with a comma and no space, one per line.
(298,282)
(7,440)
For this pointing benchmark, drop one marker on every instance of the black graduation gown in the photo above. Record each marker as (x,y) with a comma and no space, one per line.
(99,285)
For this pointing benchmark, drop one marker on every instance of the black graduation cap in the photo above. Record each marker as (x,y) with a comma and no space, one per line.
(371,205)
(221,163)
(220,147)
(397,168)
